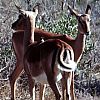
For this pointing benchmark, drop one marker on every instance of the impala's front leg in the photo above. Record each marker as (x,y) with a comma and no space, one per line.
(13,77)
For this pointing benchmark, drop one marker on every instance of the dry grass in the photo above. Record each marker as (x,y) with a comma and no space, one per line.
(22,92)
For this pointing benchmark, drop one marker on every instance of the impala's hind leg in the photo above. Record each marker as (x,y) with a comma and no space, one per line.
(63,84)
(42,91)
(72,87)
(13,77)
(68,85)
(53,86)
(31,87)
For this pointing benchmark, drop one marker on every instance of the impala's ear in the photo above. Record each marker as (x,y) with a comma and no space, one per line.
(20,9)
(36,11)
(35,8)
(88,10)
(72,11)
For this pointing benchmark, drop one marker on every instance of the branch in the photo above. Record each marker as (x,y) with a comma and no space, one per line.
(4,79)
(3,69)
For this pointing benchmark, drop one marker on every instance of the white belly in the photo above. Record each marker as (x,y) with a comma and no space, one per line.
(43,78)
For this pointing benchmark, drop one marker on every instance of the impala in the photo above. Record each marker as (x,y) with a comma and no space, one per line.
(45,62)
(77,44)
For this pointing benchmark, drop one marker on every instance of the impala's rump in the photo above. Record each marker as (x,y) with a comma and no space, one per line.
(50,52)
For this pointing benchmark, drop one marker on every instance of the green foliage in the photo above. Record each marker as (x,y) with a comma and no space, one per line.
(95,0)
(89,44)
(64,25)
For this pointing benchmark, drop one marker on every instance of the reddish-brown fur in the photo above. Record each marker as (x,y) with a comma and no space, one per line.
(77,44)
(44,58)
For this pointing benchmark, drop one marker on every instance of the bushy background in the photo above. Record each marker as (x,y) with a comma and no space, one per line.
(52,18)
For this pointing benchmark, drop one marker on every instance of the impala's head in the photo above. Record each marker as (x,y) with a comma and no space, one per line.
(83,20)
(18,25)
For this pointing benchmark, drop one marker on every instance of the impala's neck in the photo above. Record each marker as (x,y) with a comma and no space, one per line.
(29,32)
(79,46)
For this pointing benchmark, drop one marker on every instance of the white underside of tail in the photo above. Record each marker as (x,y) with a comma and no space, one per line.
(71,64)
(68,64)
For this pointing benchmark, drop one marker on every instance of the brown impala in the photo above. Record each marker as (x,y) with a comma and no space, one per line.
(45,62)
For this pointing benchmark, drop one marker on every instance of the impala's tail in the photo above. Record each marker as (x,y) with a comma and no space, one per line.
(66,60)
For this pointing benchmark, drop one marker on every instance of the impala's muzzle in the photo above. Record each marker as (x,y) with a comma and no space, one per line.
(12,26)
